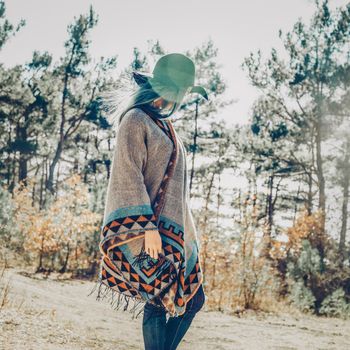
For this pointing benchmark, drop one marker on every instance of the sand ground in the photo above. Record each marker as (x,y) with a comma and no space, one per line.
(48,314)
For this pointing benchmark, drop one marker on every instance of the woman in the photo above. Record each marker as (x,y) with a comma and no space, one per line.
(148,238)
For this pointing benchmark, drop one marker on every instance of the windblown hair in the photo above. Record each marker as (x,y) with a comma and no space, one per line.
(117,102)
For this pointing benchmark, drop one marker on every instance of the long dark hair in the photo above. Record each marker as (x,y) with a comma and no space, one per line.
(143,98)
(126,97)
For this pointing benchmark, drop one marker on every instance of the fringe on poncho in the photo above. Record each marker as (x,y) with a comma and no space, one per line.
(144,146)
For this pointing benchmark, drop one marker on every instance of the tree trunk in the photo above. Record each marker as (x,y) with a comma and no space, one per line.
(59,148)
(194,145)
(41,252)
(22,166)
(320,176)
(52,167)
(218,202)
(269,208)
(345,184)
(266,243)
(309,194)
(64,267)
(205,223)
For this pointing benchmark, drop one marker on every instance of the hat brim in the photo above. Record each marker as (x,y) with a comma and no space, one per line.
(199,90)
(143,78)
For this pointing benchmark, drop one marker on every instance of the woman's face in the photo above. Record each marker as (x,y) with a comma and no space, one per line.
(162,104)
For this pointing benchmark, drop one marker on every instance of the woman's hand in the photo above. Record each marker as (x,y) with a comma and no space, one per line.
(153,243)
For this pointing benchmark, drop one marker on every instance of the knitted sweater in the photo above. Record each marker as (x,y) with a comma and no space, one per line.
(140,159)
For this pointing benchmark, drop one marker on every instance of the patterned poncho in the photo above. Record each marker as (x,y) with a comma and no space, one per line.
(143,148)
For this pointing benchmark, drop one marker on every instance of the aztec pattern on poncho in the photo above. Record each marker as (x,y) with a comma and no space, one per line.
(144,149)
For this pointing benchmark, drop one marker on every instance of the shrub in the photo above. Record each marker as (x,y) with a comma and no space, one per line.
(336,305)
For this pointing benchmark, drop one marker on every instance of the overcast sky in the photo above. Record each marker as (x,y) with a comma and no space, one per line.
(236,27)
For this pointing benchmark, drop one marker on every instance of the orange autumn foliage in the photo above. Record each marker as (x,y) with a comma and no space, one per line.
(67,222)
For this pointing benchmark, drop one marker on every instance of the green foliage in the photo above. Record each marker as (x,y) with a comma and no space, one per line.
(318,286)
(7,29)
(48,109)
(291,117)
(77,45)
(302,297)
(303,273)
(40,60)
(308,263)
(336,305)
(6,216)
(11,236)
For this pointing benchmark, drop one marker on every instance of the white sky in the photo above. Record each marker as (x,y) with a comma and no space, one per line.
(236,27)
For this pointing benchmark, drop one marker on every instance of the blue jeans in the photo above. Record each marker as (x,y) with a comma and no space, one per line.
(159,334)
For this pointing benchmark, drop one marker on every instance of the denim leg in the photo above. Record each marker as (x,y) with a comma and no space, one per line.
(153,327)
(177,327)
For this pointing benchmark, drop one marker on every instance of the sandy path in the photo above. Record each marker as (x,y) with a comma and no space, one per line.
(50,314)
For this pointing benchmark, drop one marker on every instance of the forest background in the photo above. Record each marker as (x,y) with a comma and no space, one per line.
(270,196)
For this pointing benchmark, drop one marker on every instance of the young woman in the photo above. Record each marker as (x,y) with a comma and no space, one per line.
(158,333)
(148,238)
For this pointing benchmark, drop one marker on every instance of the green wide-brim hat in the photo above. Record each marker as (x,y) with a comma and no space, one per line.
(172,78)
